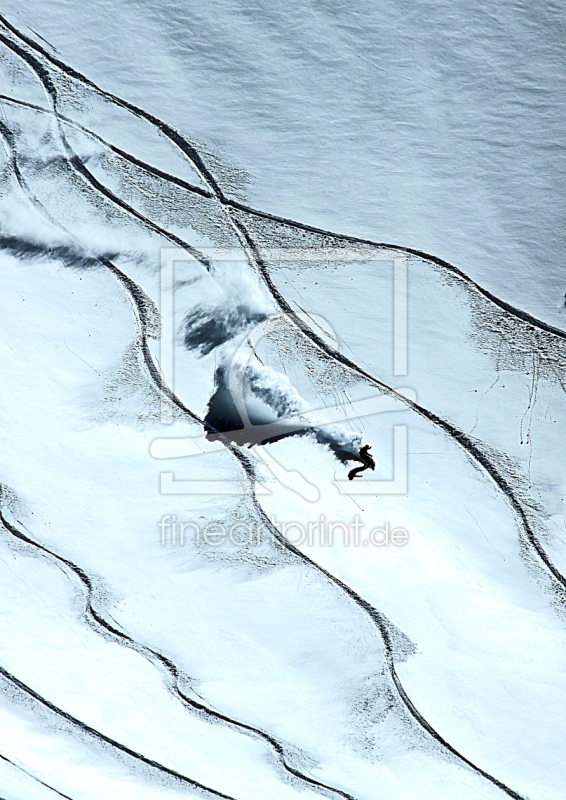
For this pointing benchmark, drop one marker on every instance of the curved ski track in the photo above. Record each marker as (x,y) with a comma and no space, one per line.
(33,777)
(193,155)
(107,740)
(155,657)
(255,258)
(139,305)
(78,166)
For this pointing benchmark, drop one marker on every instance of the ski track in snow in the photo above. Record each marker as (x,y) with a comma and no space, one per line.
(255,258)
(25,772)
(156,658)
(139,304)
(107,740)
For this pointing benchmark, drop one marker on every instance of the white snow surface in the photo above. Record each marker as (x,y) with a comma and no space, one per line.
(433,125)
(187,378)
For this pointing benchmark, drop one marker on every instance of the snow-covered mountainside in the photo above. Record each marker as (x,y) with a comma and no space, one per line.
(197,341)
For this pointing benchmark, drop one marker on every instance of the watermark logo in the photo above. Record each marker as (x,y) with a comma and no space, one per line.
(256,434)
(323,533)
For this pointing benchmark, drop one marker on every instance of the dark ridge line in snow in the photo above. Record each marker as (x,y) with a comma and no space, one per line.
(459,436)
(275,744)
(77,165)
(29,774)
(166,176)
(154,655)
(8,138)
(107,739)
(169,132)
(465,441)
(136,296)
(85,580)
(517,312)
(190,151)
(42,39)
(138,302)
(379,620)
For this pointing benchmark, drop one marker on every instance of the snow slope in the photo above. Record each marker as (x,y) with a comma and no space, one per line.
(434,125)
(245,659)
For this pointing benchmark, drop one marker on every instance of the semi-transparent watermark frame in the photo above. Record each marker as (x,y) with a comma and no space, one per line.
(176,447)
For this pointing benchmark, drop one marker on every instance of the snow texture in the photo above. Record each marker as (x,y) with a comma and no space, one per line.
(201,324)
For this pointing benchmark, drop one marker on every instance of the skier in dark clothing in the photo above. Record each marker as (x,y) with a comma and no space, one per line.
(367,461)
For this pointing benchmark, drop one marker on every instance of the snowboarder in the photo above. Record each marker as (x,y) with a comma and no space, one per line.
(367,461)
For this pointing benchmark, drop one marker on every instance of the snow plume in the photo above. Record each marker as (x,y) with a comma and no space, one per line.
(69,255)
(343,444)
(275,411)
(27,234)
(206,328)
(234,302)
(275,391)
